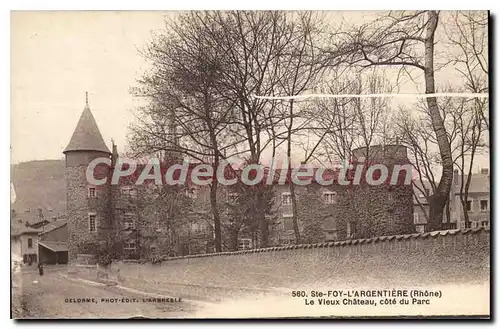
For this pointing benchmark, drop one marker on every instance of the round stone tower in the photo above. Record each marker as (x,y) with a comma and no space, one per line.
(386,208)
(87,205)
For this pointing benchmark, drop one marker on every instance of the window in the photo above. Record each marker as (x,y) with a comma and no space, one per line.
(158,225)
(484,223)
(128,190)
(451,226)
(287,222)
(331,235)
(351,229)
(129,246)
(92,223)
(469,205)
(92,192)
(330,197)
(484,205)
(190,193)
(415,217)
(29,258)
(195,227)
(286,198)
(245,244)
(30,243)
(232,197)
(128,221)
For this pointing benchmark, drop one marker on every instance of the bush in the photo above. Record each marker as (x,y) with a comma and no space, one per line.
(104,258)
(87,247)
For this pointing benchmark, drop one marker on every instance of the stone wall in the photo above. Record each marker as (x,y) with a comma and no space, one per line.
(441,257)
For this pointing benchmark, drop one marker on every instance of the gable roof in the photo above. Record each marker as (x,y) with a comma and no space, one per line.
(52,226)
(25,230)
(55,246)
(41,230)
(479,183)
(87,136)
(38,223)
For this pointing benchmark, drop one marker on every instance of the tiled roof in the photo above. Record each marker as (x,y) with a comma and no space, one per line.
(25,230)
(479,183)
(87,136)
(52,226)
(42,230)
(415,236)
(54,245)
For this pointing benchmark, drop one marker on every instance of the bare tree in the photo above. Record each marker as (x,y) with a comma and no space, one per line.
(465,131)
(469,142)
(468,37)
(342,124)
(299,70)
(405,40)
(186,113)
(261,51)
(416,134)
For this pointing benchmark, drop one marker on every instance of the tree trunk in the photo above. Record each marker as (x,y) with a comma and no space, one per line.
(448,214)
(466,213)
(214,185)
(295,214)
(216,216)
(295,218)
(261,219)
(437,201)
(233,239)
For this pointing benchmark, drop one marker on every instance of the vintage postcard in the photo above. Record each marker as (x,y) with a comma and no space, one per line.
(250,164)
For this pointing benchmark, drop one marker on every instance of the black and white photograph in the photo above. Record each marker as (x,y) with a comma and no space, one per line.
(250,164)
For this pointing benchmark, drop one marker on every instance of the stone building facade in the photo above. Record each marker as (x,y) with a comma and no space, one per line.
(350,211)
(110,217)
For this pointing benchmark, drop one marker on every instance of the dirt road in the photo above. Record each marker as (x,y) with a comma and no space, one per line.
(54,295)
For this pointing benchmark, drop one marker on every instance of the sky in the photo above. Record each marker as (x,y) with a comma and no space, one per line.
(58,56)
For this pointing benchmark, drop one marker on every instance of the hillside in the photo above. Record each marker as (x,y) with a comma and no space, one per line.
(39,184)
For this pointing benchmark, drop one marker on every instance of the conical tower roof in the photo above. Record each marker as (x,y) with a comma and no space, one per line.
(87,136)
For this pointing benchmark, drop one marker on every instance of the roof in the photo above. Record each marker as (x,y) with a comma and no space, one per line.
(39,223)
(55,246)
(42,230)
(479,183)
(87,136)
(418,191)
(53,225)
(25,230)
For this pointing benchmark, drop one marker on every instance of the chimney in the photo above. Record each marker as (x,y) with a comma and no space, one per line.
(40,213)
(484,171)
